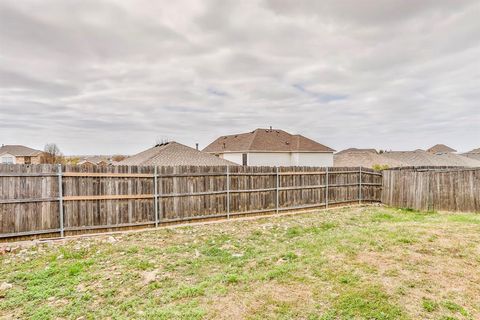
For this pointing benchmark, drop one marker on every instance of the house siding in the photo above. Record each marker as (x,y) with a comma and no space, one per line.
(311,159)
(233,157)
(269,159)
(33,160)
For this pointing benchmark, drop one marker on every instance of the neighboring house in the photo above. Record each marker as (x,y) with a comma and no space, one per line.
(367,158)
(94,161)
(440,149)
(173,154)
(17,154)
(271,147)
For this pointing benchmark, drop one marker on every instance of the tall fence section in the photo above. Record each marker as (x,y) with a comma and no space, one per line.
(432,188)
(54,201)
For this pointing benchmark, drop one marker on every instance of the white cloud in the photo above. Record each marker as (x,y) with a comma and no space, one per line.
(113,76)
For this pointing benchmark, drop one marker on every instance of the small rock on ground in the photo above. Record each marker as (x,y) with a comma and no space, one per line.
(149,276)
(5,286)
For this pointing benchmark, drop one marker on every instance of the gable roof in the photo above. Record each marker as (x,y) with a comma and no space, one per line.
(174,154)
(440,148)
(19,151)
(265,140)
(365,159)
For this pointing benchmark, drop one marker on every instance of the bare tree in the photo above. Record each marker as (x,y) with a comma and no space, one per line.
(118,158)
(52,154)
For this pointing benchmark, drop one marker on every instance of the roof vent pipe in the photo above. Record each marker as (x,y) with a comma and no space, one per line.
(196,146)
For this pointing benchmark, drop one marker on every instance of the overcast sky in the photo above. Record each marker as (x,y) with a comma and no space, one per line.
(103,77)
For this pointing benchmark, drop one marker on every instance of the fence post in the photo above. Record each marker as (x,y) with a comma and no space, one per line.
(228,192)
(326,188)
(60,199)
(360,186)
(155,188)
(159,196)
(277,186)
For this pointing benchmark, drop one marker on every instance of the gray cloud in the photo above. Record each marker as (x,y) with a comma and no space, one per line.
(114,76)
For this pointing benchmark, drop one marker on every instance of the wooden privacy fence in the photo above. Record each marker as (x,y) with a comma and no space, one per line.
(432,188)
(57,200)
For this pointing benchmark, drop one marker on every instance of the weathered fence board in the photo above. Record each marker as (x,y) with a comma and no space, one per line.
(95,198)
(449,189)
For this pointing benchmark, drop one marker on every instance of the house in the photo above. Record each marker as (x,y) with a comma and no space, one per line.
(271,147)
(17,154)
(94,161)
(368,158)
(440,149)
(173,154)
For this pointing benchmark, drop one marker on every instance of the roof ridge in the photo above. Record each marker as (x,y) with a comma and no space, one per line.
(254,135)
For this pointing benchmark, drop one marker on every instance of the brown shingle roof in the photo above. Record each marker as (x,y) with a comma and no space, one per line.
(265,140)
(440,148)
(174,154)
(19,151)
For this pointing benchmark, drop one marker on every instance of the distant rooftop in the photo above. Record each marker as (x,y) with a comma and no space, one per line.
(474,151)
(423,158)
(350,150)
(366,159)
(441,148)
(266,140)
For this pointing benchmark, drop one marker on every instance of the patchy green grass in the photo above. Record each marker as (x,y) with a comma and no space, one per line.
(351,263)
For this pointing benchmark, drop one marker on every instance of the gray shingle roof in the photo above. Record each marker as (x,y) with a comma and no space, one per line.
(19,151)
(350,150)
(174,154)
(474,151)
(423,158)
(475,156)
(266,140)
(365,159)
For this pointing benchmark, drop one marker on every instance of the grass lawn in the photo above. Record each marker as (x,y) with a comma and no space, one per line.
(350,263)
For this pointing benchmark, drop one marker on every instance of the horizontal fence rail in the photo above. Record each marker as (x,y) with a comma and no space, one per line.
(58,200)
(432,188)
